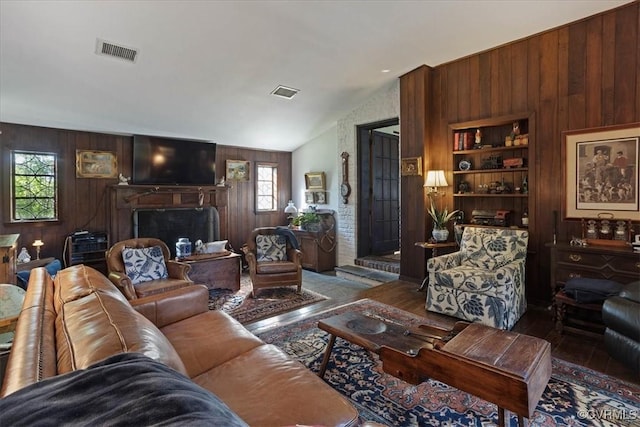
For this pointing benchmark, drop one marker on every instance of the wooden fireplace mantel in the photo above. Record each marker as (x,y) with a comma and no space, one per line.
(124,199)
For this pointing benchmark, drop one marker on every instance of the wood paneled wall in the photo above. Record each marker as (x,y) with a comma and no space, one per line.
(84,201)
(242,216)
(581,75)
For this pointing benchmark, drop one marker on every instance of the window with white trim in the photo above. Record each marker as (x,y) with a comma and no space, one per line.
(266,187)
(34,186)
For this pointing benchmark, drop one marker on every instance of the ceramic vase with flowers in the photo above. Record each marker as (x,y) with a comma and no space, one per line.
(440,219)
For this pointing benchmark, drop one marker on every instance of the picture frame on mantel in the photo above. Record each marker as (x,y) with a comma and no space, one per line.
(96,164)
(238,170)
(601,172)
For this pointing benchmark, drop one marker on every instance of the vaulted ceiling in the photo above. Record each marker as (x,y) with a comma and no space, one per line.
(205,69)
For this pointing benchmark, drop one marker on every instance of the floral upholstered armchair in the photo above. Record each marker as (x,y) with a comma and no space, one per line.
(484,281)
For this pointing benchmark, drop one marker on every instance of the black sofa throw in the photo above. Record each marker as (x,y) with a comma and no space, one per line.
(590,291)
(127,389)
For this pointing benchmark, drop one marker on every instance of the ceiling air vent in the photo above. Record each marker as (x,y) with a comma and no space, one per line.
(106,48)
(285,92)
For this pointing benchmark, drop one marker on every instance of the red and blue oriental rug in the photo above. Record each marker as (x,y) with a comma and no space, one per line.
(575,396)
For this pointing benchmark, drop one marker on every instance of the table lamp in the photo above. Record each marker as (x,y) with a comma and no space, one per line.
(435,179)
(38,244)
(291,211)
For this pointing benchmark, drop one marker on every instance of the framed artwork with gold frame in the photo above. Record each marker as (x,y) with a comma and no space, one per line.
(238,170)
(315,180)
(96,164)
(411,166)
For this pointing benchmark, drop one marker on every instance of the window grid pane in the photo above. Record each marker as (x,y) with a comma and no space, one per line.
(266,188)
(34,188)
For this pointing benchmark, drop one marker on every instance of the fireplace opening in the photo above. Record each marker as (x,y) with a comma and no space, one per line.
(170,224)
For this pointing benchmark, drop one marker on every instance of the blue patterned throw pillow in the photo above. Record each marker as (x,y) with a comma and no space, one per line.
(144,264)
(271,247)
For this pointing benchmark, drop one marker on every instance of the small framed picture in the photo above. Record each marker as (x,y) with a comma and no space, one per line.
(411,166)
(309,197)
(320,197)
(238,170)
(315,180)
(96,164)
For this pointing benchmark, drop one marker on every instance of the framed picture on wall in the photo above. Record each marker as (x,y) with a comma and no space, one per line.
(96,164)
(309,197)
(601,172)
(238,170)
(411,166)
(315,180)
(320,197)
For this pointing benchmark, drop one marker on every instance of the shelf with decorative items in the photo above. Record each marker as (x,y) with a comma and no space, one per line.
(491,159)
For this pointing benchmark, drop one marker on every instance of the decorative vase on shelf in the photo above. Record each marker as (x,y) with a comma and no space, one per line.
(440,234)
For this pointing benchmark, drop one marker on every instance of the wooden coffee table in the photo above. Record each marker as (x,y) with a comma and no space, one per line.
(506,368)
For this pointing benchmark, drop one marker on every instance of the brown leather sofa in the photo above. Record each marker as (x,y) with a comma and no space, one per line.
(80,318)
(273,274)
(177,271)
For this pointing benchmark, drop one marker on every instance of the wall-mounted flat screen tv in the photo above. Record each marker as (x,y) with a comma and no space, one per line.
(170,161)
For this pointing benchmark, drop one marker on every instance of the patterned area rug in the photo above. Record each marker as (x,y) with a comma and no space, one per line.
(268,302)
(575,396)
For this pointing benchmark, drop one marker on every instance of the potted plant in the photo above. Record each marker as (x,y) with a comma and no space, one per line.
(309,221)
(440,219)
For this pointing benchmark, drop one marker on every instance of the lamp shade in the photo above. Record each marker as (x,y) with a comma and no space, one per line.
(290,208)
(38,243)
(435,178)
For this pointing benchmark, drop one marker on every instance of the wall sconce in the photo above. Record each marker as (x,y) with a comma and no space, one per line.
(291,211)
(435,179)
(38,244)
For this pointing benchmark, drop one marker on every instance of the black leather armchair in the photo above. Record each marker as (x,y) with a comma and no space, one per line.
(621,315)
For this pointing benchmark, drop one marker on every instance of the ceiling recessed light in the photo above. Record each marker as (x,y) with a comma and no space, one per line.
(285,92)
(386,71)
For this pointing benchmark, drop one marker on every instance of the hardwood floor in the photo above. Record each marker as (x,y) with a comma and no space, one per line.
(537,321)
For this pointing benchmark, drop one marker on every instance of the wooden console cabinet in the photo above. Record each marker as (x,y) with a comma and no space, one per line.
(620,265)
(318,250)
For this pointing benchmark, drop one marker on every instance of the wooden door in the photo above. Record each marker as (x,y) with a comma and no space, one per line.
(379,204)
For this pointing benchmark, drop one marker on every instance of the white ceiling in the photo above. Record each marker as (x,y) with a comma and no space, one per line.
(206,68)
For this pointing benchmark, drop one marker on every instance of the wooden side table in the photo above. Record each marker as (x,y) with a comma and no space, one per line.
(434,247)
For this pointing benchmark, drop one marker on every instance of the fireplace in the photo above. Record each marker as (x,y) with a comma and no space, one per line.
(172,223)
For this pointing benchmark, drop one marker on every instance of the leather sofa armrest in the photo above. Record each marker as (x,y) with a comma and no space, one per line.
(631,291)
(294,255)
(178,270)
(123,283)
(173,306)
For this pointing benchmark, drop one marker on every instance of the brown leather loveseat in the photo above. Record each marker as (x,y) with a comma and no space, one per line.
(80,318)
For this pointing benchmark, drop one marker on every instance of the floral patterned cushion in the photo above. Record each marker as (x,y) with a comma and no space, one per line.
(483,282)
(271,247)
(144,264)
(490,248)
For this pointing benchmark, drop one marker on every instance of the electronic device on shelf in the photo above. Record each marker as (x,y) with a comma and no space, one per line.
(499,217)
(84,247)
